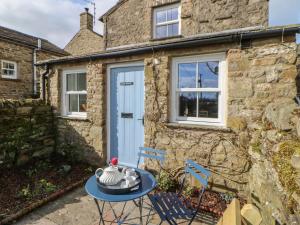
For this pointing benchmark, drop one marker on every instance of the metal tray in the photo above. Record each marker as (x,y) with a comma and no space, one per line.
(117,189)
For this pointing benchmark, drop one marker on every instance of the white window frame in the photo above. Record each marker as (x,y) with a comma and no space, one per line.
(222,89)
(164,8)
(65,102)
(15,69)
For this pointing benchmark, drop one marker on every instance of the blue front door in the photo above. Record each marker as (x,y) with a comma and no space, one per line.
(126,113)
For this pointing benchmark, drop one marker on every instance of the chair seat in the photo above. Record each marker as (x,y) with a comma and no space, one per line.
(170,207)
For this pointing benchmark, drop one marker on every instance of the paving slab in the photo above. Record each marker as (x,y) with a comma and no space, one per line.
(77,208)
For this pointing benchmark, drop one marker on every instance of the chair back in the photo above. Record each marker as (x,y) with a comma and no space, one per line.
(151,153)
(198,172)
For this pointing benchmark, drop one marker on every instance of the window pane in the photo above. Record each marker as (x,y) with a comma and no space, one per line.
(161,31)
(161,17)
(11,72)
(188,104)
(5,72)
(208,74)
(172,14)
(208,104)
(173,29)
(82,103)
(5,65)
(71,82)
(81,82)
(73,103)
(11,66)
(187,75)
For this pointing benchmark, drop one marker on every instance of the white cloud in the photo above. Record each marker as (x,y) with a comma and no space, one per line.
(55,20)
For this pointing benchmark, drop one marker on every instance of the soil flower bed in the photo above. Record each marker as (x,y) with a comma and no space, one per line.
(21,188)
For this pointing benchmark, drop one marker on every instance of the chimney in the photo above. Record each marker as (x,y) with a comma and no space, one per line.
(86,20)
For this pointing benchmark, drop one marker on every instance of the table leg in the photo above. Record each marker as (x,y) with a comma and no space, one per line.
(141,210)
(100,211)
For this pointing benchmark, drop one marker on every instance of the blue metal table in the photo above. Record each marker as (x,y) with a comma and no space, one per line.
(147,185)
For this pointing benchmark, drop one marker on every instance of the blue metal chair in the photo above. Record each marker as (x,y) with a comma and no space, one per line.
(172,206)
(152,154)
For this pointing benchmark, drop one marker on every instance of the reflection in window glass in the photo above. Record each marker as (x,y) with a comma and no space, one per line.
(81,82)
(82,103)
(73,103)
(161,16)
(71,82)
(208,104)
(188,104)
(172,14)
(187,75)
(173,29)
(161,31)
(208,75)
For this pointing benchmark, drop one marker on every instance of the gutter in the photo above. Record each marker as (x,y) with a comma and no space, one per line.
(195,42)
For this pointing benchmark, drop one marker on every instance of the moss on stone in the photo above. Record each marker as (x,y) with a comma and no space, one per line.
(282,163)
(256,147)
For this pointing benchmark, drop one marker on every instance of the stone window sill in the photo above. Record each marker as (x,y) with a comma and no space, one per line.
(197,127)
(10,79)
(166,38)
(74,118)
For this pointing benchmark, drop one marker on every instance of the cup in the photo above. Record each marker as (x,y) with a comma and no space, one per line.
(130,172)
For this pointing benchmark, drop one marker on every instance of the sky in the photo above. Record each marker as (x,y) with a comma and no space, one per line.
(58,20)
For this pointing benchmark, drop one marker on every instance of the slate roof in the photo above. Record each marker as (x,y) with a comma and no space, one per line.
(28,40)
(235,35)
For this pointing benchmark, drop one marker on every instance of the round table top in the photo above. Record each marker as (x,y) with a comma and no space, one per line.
(147,185)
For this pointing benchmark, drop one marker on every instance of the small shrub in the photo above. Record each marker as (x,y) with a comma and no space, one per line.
(25,192)
(190,191)
(46,186)
(166,182)
(228,197)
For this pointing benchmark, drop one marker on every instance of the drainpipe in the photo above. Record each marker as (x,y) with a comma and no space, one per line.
(44,77)
(34,66)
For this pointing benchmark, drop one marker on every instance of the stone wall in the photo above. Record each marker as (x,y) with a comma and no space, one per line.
(82,134)
(197,17)
(22,87)
(27,131)
(260,116)
(85,42)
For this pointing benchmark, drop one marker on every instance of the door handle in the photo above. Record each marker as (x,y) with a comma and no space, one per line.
(143,120)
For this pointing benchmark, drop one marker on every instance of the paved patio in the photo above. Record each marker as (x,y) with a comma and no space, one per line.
(77,208)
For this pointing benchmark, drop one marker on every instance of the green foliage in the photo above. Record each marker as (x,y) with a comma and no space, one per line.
(46,187)
(256,147)
(166,182)
(40,188)
(12,144)
(190,191)
(287,174)
(228,197)
(25,192)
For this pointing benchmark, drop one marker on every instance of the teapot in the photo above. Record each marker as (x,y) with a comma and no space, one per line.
(110,175)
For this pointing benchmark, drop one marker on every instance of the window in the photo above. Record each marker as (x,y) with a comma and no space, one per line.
(166,21)
(198,89)
(75,93)
(8,69)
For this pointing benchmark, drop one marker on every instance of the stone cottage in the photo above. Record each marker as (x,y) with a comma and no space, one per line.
(204,80)
(18,54)
(86,40)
